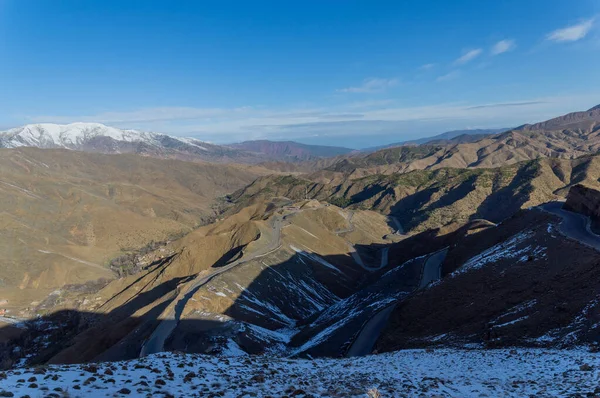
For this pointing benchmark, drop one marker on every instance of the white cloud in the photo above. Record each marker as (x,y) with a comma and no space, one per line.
(350,119)
(468,56)
(449,76)
(371,85)
(571,33)
(427,66)
(503,46)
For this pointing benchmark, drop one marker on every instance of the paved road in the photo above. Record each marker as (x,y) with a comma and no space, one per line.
(366,339)
(573,225)
(432,270)
(384,257)
(353,253)
(157,340)
(370,333)
(350,225)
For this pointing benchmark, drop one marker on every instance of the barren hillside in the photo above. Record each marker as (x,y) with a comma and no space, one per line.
(424,199)
(65,214)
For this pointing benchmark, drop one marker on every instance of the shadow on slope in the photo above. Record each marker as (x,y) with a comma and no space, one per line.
(304,305)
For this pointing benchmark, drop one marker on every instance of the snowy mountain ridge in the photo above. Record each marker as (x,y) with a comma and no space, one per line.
(74,135)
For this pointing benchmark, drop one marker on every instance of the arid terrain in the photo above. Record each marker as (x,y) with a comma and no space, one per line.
(141,255)
(66,214)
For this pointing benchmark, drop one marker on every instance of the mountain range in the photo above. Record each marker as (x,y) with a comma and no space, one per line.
(460,242)
(454,136)
(565,137)
(98,138)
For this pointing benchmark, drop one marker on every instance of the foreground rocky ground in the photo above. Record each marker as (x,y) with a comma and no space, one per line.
(409,373)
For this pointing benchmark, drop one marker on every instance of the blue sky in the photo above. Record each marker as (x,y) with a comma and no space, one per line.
(352,73)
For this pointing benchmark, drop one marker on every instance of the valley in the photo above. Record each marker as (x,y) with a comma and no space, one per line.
(143,256)
(299,199)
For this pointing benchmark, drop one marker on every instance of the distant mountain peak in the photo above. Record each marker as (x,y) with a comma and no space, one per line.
(99,138)
(596,108)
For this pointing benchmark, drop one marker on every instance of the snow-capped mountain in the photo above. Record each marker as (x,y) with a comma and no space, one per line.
(71,136)
(96,137)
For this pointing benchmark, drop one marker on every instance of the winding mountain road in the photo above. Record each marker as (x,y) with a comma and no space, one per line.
(157,340)
(366,339)
(432,270)
(573,225)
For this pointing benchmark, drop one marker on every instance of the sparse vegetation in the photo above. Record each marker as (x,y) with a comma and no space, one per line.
(340,201)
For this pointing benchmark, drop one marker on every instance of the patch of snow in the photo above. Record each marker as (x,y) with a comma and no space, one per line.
(509,249)
(316,257)
(511,322)
(441,373)
(233,350)
(192,142)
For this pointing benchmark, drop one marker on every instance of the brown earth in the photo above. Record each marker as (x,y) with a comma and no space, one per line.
(565,137)
(65,214)
(121,315)
(541,290)
(426,199)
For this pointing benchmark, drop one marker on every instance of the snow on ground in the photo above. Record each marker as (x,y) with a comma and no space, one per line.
(509,249)
(410,373)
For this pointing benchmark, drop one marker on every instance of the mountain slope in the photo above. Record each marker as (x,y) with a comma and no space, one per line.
(424,199)
(586,122)
(566,137)
(98,138)
(304,279)
(522,283)
(65,214)
(449,137)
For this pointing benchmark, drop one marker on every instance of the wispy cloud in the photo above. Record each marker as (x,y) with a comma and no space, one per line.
(371,85)
(427,66)
(449,76)
(507,104)
(349,119)
(468,56)
(503,46)
(571,33)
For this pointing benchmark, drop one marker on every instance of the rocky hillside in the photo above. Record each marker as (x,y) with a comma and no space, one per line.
(306,279)
(65,214)
(566,137)
(269,267)
(424,199)
(522,283)
(585,200)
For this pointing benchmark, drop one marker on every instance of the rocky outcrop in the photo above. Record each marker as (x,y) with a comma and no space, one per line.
(585,200)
